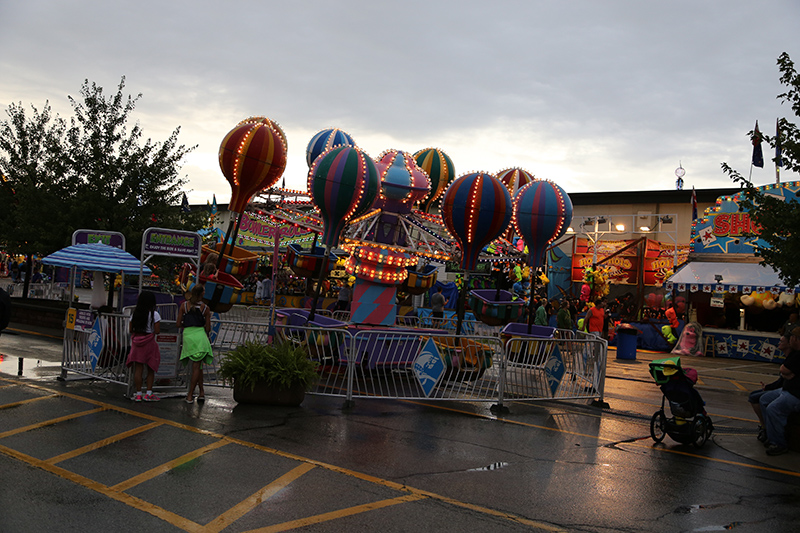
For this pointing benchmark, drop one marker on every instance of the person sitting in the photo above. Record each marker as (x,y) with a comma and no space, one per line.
(755,396)
(778,404)
(792,322)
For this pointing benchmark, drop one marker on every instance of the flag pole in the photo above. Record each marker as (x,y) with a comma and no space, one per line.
(778,151)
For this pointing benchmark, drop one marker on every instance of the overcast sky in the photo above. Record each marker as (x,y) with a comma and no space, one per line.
(594,95)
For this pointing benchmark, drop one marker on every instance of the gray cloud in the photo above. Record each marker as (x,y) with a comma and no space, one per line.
(595,95)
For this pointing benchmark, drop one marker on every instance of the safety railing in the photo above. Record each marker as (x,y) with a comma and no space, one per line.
(389,363)
(100,354)
(341,316)
(554,368)
(41,291)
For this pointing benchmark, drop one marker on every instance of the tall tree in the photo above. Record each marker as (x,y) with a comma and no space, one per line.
(779,220)
(90,172)
(122,182)
(34,195)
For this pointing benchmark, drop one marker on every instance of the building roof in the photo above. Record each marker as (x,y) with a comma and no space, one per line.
(645,197)
(671,196)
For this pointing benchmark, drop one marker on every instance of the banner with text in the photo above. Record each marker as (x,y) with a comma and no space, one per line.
(655,257)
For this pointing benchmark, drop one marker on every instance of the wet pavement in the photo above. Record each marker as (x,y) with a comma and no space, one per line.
(77,455)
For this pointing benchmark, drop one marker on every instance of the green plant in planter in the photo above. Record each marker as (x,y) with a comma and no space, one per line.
(282,365)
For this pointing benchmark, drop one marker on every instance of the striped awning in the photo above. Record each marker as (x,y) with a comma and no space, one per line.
(96,256)
(732,277)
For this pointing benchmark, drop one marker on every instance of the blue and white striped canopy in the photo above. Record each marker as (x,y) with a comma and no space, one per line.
(95,256)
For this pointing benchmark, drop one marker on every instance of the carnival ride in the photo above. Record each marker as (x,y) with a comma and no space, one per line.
(367,208)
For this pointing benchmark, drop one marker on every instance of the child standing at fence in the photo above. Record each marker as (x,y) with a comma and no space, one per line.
(145,325)
(195,318)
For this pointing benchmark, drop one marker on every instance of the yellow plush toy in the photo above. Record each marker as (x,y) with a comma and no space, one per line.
(597,279)
(764,299)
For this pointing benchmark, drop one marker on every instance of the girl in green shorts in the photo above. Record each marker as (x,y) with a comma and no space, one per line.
(195,318)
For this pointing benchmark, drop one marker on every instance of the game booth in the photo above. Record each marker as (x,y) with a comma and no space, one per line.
(740,302)
(630,274)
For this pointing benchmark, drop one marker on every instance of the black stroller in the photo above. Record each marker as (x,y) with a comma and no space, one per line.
(689,423)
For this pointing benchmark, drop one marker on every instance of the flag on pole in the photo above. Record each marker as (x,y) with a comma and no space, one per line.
(214,206)
(185,204)
(694,204)
(778,151)
(758,155)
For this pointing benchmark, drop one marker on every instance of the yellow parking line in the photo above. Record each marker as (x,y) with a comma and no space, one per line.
(333,515)
(38,334)
(501,514)
(101,443)
(739,386)
(245,506)
(166,467)
(50,422)
(132,501)
(29,400)
(714,459)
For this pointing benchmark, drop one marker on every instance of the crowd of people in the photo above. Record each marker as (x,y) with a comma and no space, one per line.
(16,268)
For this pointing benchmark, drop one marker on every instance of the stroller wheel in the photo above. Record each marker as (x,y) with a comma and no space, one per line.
(700,431)
(658,426)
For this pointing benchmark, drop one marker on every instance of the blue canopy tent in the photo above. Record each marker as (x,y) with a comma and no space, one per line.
(97,257)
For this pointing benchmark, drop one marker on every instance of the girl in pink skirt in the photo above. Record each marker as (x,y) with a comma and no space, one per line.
(145,325)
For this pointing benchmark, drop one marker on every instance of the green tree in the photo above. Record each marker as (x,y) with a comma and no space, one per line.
(778,219)
(122,182)
(91,172)
(33,192)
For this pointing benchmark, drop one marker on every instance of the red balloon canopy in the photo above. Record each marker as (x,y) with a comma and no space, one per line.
(265,120)
(252,157)
(476,208)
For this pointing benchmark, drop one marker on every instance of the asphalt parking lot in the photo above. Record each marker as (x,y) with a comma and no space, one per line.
(77,455)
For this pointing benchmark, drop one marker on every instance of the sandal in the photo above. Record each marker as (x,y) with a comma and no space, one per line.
(201,398)
(189,400)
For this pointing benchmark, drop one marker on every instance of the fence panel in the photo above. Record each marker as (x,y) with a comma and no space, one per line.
(541,369)
(341,316)
(110,365)
(385,364)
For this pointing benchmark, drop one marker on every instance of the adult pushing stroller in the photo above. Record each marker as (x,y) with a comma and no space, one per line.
(689,423)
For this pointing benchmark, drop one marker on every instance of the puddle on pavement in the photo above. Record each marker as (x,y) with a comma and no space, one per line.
(28,367)
(493,466)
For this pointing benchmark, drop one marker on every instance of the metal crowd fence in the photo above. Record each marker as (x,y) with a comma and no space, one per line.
(41,291)
(388,363)
(109,362)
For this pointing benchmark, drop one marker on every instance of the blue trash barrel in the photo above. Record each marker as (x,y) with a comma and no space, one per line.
(626,341)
